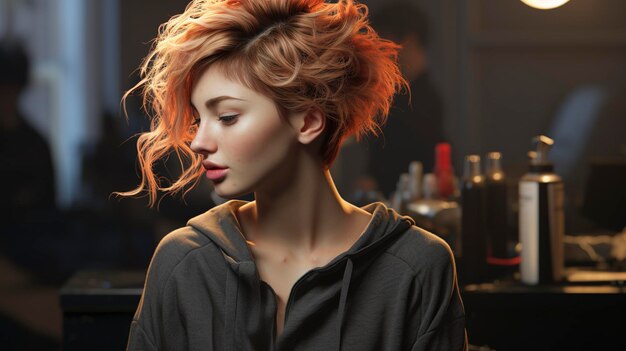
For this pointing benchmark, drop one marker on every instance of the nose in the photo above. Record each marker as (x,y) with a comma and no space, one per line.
(203,143)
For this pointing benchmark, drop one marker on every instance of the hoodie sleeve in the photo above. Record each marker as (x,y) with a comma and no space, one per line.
(146,326)
(437,303)
(138,339)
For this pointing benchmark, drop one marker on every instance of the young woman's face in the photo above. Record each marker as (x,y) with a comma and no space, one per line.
(244,140)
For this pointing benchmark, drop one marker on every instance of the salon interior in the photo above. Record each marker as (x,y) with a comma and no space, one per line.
(513,151)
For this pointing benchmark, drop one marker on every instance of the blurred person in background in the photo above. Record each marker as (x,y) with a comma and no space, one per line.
(415,122)
(27,169)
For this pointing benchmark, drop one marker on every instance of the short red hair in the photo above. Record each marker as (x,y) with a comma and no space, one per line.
(300,53)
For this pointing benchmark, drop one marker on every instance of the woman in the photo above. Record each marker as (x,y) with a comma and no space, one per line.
(258,96)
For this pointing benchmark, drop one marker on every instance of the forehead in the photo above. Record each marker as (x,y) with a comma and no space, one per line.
(213,82)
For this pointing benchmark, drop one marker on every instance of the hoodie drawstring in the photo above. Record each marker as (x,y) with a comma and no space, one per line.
(232,290)
(345,286)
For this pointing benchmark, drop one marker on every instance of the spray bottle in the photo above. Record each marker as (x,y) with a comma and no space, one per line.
(541,218)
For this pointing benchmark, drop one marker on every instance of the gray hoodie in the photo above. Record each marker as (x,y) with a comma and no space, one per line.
(394,289)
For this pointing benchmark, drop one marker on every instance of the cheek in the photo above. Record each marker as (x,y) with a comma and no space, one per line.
(259,143)
(244,150)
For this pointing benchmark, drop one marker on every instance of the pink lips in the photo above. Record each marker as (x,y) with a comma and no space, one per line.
(214,171)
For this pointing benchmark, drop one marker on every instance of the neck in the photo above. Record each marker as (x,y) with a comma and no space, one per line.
(304,213)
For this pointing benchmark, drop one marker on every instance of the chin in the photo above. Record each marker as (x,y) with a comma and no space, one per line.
(230,194)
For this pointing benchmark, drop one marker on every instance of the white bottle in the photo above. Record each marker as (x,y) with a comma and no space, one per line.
(541,219)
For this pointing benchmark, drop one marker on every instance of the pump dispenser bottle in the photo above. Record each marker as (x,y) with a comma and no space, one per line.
(541,218)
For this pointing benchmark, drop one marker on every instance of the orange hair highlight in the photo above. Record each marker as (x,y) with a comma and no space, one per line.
(302,54)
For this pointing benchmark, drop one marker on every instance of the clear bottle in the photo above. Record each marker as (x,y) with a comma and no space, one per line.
(429,186)
(399,198)
(439,216)
(415,180)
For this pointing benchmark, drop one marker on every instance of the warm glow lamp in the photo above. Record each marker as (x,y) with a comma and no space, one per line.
(544,4)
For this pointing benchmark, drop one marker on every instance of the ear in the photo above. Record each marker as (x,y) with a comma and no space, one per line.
(310,125)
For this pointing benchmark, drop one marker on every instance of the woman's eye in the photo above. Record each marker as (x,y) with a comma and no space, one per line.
(228,119)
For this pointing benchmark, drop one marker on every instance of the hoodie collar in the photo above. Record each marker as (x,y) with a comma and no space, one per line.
(220,224)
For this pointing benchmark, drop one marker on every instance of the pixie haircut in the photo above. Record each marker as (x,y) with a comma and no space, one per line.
(302,54)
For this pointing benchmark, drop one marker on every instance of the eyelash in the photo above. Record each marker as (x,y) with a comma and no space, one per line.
(196,121)
(228,119)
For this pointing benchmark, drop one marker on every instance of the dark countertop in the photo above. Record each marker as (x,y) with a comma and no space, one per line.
(102,290)
(589,314)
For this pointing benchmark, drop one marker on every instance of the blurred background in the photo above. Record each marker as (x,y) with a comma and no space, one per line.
(486,75)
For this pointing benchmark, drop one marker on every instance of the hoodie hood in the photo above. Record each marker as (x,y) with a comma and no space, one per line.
(220,224)
(251,303)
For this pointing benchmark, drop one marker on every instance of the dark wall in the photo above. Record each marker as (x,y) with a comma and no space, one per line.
(509,72)
(139,22)
(506,72)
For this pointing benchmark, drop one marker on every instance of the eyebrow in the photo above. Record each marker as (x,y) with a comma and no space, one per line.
(216,100)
